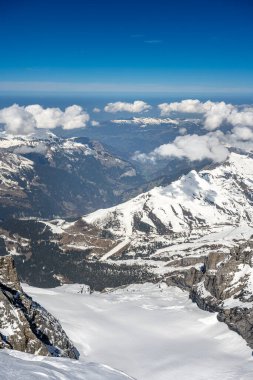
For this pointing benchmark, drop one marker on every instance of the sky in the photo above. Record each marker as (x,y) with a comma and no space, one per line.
(126,46)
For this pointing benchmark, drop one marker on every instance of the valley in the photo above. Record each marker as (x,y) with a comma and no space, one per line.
(191,234)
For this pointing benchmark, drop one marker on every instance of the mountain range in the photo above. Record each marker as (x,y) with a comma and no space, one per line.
(48,176)
(195,233)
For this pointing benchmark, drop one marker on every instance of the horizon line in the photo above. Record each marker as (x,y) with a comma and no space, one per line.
(83,87)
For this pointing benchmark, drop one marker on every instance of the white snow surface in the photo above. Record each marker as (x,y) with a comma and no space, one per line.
(150,332)
(116,249)
(20,366)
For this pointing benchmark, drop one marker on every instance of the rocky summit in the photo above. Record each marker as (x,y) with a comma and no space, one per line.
(24,324)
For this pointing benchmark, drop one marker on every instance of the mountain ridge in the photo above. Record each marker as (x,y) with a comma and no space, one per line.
(187,234)
(49,176)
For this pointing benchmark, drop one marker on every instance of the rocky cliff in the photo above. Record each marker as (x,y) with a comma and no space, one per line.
(24,324)
(222,283)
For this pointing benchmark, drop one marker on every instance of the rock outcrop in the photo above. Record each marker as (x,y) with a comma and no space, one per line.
(24,324)
(223,284)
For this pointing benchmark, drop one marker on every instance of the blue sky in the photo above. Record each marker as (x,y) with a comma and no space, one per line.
(117,46)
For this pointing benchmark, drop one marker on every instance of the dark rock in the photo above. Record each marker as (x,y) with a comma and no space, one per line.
(24,324)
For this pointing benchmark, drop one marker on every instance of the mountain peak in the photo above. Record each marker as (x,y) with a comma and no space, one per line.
(211,197)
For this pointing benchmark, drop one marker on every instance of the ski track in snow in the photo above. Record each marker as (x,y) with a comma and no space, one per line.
(116,249)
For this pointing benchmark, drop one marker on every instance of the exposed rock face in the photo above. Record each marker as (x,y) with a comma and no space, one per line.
(8,274)
(224,285)
(24,324)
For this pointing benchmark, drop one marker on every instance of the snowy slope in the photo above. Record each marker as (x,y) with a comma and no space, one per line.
(150,332)
(209,198)
(19,366)
(210,207)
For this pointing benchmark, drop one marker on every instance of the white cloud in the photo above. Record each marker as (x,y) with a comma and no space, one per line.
(17,120)
(96,110)
(24,120)
(215,144)
(185,106)
(137,106)
(214,113)
(75,117)
(72,117)
(192,147)
(217,114)
(242,117)
(45,118)
(242,133)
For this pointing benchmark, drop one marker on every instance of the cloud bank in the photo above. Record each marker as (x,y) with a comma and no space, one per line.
(214,113)
(213,145)
(19,120)
(193,147)
(137,106)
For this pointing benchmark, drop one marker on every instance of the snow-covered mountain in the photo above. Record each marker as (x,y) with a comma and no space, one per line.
(46,176)
(203,211)
(195,234)
(206,205)
(213,197)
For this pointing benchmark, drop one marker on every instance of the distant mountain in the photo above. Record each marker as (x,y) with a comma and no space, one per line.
(144,134)
(197,203)
(168,173)
(48,176)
